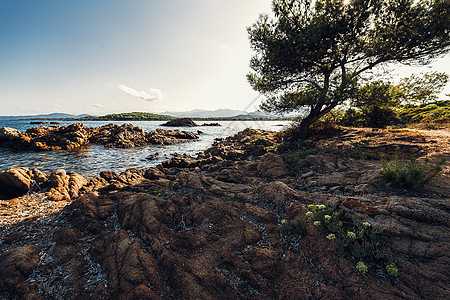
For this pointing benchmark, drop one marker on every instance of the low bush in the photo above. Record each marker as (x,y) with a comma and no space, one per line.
(412,175)
(430,113)
(373,116)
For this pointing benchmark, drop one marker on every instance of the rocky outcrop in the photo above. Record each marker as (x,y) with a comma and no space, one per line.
(17,181)
(168,137)
(16,266)
(76,135)
(180,122)
(272,165)
(59,185)
(45,138)
(211,124)
(65,186)
(124,136)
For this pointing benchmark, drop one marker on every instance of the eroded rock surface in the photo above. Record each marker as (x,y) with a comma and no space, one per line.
(209,227)
(16,266)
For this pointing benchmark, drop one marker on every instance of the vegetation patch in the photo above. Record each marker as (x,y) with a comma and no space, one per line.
(357,240)
(411,175)
(436,112)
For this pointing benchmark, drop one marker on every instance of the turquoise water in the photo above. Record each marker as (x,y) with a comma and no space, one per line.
(93,159)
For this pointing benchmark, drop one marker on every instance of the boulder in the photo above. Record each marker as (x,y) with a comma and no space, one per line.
(65,186)
(278,193)
(190,179)
(7,133)
(18,181)
(180,122)
(16,265)
(272,165)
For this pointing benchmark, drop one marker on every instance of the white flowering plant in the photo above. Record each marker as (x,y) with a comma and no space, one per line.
(356,239)
(325,217)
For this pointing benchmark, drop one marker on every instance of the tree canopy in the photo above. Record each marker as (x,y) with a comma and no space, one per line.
(314,53)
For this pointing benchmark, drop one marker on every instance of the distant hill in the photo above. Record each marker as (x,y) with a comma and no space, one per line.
(135,116)
(203,113)
(57,116)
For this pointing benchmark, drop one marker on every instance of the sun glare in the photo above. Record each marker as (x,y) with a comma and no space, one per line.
(346,2)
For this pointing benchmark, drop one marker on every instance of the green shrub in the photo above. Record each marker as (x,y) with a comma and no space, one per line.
(352,117)
(372,116)
(436,112)
(411,175)
(380,117)
(260,140)
(175,185)
(294,228)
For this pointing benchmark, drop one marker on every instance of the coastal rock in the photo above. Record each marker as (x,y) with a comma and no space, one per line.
(190,179)
(18,181)
(126,264)
(180,122)
(76,135)
(180,161)
(108,175)
(123,136)
(7,133)
(279,193)
(154,173)
(211,124)
(65,186)
(45,138)
(169,137)
(272,165)
(58,138)
(15,267)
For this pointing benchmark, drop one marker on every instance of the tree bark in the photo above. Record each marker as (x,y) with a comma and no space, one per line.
(313,116)
(304,125)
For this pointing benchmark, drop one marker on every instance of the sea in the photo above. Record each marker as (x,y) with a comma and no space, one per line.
(89,161)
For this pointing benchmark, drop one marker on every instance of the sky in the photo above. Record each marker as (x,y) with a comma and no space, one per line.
(111,56)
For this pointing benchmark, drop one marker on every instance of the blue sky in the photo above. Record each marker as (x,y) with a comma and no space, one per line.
(106,56)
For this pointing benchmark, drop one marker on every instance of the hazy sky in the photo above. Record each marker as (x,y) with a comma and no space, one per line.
(106,56)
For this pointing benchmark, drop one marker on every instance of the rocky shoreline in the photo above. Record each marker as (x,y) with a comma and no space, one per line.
(210,227)
(47,138)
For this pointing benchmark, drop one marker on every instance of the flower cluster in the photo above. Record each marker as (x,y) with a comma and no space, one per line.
(351,235)
(357,240)
(361,267)
(392,270)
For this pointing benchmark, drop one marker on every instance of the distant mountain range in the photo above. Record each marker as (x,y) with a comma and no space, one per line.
(203,113)
(46,116)
(223,113)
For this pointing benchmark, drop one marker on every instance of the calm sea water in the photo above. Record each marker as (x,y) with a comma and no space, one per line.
(93,159)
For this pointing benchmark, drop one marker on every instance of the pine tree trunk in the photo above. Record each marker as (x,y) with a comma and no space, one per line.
(304,126)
